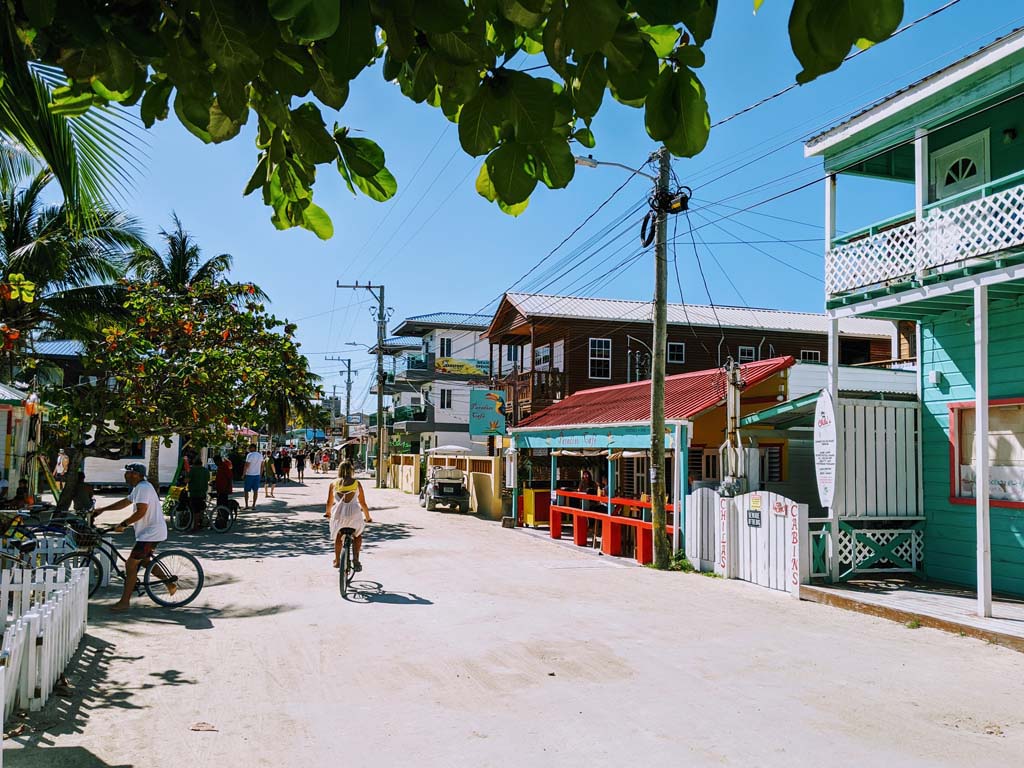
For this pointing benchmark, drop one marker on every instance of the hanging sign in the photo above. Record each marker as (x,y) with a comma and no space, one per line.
(825,449)
(486,412)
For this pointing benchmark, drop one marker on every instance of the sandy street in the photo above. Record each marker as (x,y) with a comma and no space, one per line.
(478,646)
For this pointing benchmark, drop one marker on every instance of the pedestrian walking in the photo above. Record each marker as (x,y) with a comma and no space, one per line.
(60,468)
(278,461)
(269,476)
(286,464)
(300,465)
(325,462)
(253,470)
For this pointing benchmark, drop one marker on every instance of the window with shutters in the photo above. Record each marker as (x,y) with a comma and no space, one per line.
(445,399)
(445,347)
(771,464)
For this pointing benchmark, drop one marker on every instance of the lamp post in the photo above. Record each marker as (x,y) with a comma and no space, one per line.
(661,204)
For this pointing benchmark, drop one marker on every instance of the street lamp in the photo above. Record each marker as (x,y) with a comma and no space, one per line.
(662,203)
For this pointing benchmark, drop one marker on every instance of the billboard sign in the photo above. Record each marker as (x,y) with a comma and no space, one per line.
(486,412)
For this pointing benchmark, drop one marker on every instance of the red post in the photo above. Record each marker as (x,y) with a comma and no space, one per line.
(556,523)
(644,545)
(579,530)
(611,537)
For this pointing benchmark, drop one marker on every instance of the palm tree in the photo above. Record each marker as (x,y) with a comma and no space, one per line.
(73,261)
(181,264)
(90,155)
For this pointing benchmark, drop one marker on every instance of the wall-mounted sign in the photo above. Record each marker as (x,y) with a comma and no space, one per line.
(486,412)
(825,455)
(753,518)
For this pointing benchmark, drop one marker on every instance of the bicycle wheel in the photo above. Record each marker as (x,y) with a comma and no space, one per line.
(344,574)
(181,519)
(173,579)
(222,519)
(83,558)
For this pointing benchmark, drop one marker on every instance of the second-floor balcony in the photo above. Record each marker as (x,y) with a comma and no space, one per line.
(967,230)
(530,391)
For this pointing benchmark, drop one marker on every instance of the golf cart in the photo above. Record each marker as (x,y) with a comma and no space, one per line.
(446,486)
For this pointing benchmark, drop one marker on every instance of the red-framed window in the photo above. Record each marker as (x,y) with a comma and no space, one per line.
(1005,450)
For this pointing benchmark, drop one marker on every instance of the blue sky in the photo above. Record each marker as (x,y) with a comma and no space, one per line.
(439,246)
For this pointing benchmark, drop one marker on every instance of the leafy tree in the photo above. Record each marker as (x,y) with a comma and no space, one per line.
(69,262)
(192,363)
(217,62)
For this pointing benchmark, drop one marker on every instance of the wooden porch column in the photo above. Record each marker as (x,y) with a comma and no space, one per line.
(679,487)
(981,458)
(555,524)
(920,195)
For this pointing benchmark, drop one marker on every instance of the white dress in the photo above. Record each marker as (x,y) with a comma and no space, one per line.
(346,514)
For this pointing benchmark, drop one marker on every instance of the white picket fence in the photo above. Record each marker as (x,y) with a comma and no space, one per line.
(45,611)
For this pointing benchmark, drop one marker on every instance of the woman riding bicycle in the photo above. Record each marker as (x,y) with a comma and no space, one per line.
(346,508)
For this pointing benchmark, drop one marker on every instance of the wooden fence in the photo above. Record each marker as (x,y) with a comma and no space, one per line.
(485,480)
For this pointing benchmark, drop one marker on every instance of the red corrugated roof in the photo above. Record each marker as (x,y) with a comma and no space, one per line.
(686,395)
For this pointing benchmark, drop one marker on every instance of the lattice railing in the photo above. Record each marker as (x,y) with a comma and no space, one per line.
(865,550)
(972,230)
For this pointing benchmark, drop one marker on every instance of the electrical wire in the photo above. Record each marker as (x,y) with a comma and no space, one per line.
(849,57)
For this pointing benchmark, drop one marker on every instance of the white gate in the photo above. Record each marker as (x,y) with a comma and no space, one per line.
(701,506)
(766,547)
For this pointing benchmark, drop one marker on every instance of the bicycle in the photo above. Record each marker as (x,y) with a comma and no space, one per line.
(346,565)
(219,517)
(172,579)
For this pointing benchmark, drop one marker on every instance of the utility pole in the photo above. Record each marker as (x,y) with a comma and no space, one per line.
(660,202)
(377,291)
(347,373)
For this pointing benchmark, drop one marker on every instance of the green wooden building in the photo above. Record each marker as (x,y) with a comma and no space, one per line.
(955,266)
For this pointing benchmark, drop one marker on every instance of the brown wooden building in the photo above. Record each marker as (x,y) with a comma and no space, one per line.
(545,348)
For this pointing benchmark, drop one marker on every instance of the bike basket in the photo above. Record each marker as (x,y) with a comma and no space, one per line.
(175,491)
(85,537)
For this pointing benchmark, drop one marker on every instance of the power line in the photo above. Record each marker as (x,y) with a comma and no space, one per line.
(849,57)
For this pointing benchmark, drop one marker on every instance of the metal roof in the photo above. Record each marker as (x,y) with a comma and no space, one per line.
(621,310)
(811,144)
(422,324)
(11,396)
(686,396)
(59,348)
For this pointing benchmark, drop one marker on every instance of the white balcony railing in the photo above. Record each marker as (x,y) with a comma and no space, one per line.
(950,235)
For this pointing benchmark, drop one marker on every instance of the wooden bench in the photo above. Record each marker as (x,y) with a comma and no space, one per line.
(611,525)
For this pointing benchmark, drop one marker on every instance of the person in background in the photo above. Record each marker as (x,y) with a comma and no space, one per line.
(83,501)
(325,462)
(278,464)
(269,475)
(300,465)
(22,499)
(286,464)
(60,469)
(223,483)
(253,470)
(198,489)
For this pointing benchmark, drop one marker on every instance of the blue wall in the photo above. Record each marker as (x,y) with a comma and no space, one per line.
(947,345)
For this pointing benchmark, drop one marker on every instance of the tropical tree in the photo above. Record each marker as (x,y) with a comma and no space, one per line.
(69,265)
(90,158)
(193,362)
(181,263)
(178,268)
(216,62)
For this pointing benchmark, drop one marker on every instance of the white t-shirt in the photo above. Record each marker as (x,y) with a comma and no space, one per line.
(253,463)
(152,526)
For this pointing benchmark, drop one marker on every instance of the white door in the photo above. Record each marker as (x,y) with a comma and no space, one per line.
(765,540)
(961,166)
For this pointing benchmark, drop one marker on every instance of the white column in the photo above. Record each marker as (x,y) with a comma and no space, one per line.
(830,228)
(833,358)
(981,457)
(920,194)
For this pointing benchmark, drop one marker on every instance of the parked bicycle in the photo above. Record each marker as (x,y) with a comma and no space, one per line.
(219,517)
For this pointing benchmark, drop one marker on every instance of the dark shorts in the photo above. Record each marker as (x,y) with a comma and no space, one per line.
(252,483)
(142,550)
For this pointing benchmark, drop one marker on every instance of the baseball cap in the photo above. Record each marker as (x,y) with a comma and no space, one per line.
(140,468)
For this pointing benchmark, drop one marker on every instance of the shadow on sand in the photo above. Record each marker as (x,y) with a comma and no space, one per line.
(365,591)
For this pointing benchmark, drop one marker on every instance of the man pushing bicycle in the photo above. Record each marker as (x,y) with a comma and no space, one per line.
(147,519)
